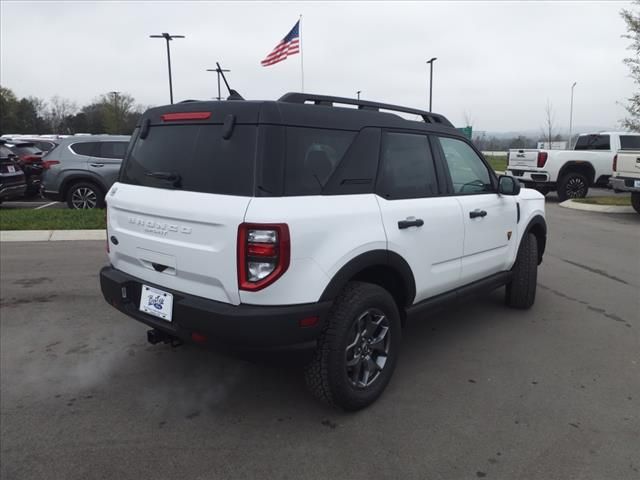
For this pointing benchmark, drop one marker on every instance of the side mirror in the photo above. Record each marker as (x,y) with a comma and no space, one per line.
(508,185)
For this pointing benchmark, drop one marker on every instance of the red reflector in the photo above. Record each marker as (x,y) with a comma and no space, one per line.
(198,337)
(309,321)
(261,250)
(176,117)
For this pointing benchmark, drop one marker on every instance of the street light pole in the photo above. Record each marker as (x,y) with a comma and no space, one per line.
(115,111)
(168,37)
(571,115)
(430,62)
(218,71)
(358,93)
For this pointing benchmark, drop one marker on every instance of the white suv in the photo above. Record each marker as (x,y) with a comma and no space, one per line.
(276,223)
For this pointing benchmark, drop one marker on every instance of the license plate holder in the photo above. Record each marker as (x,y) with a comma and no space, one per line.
(156,302)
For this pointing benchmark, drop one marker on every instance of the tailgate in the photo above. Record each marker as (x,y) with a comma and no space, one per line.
(628,163)
(181,240)
(523,158)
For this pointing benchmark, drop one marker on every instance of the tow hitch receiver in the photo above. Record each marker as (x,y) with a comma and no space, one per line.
(156,336)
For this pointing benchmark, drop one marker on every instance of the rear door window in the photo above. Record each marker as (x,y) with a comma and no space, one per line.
(197,155)
(407,169)
(630,142)
(593,142)
(312,155)
(84,148)
(112,150)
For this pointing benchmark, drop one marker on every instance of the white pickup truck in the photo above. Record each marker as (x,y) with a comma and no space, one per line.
(626,175)
(571,172)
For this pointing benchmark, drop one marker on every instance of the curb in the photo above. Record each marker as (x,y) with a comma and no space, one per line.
(51,235)
(595,208)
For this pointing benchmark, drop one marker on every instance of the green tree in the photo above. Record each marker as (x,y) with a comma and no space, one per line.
(632,19)
(8,114)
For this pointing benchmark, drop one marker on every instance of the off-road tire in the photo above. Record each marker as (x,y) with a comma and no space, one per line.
(635,201)
(83,186)
(326,375)
(567,185)
(521,291)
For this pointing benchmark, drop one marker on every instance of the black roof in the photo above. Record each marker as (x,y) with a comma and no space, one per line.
(309,110)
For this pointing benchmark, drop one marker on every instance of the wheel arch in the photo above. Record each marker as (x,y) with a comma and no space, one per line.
(74,178)
(579,166)
(538,226)
(381,267)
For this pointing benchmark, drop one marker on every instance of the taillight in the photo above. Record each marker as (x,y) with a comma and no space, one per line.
(263,254)
(615,163)
(542,159)
(47,164)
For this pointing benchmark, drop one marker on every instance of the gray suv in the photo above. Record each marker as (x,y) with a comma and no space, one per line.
(80,170)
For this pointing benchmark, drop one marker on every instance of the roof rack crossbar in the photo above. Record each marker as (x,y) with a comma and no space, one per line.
(328,100)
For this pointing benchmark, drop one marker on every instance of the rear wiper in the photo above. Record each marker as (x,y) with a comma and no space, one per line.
(172,177)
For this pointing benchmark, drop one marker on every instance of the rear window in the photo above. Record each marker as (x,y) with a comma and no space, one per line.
(196,154)
(593,142)
(312,155)
(4,151)
(630,142)
(30,150)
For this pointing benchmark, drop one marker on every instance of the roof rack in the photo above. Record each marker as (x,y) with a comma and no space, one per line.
(327,100)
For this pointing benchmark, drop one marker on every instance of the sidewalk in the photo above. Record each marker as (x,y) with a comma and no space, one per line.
(51,235)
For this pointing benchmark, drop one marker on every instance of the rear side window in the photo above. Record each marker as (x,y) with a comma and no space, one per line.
(84,148)
(407,167)
(593,142)
(312,155)
(197,155)
(112,150)
(630,142)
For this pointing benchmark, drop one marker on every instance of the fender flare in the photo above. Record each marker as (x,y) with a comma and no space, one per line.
(365,260)
(81,176)
(581,164)
(538,222)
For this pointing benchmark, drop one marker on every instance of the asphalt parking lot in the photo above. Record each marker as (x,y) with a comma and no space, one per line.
(481,391)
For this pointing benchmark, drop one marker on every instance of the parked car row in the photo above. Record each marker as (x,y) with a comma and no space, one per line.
(75,169)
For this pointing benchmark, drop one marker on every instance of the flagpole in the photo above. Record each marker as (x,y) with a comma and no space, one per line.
(301,54)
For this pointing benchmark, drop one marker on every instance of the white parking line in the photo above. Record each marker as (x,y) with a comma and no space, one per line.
(45,205)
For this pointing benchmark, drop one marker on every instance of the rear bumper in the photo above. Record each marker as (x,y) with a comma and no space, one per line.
(530,176)
(624,184)
(243,326)
(12,190)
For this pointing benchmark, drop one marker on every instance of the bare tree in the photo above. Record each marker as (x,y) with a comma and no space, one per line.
(632,20)
(60,109)
(549,128)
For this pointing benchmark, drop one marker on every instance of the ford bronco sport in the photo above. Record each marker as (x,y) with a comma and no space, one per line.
(311,219)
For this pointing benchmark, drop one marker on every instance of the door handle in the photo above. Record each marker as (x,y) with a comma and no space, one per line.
(97,165)
(416,222)
(477,213)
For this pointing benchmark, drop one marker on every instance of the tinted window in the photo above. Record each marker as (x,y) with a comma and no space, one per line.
(407,167)
(4,151)
(112,149)
(30,150)
(45,146)
(468,172)
(198,154)
(630,142)
(312,156)
(593,142)
(84,148)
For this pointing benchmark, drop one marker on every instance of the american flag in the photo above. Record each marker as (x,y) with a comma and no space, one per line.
(289,45)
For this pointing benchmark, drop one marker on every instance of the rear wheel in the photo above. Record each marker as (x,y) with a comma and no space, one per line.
(85,196)
(358,349)
(521,291)
(573,185)
(635,201)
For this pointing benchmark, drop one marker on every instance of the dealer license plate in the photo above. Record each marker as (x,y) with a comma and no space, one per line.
(156,302)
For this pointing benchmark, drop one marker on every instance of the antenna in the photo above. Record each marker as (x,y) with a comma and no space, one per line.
(233,95)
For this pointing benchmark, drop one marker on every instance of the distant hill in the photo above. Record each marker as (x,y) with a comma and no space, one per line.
(535,133)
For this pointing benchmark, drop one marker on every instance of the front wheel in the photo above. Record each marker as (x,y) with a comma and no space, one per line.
(85,196)
(573,185)
(358,349)
(635,201)
(521,291)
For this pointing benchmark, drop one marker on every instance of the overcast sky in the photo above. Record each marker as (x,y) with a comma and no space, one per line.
(498,61)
